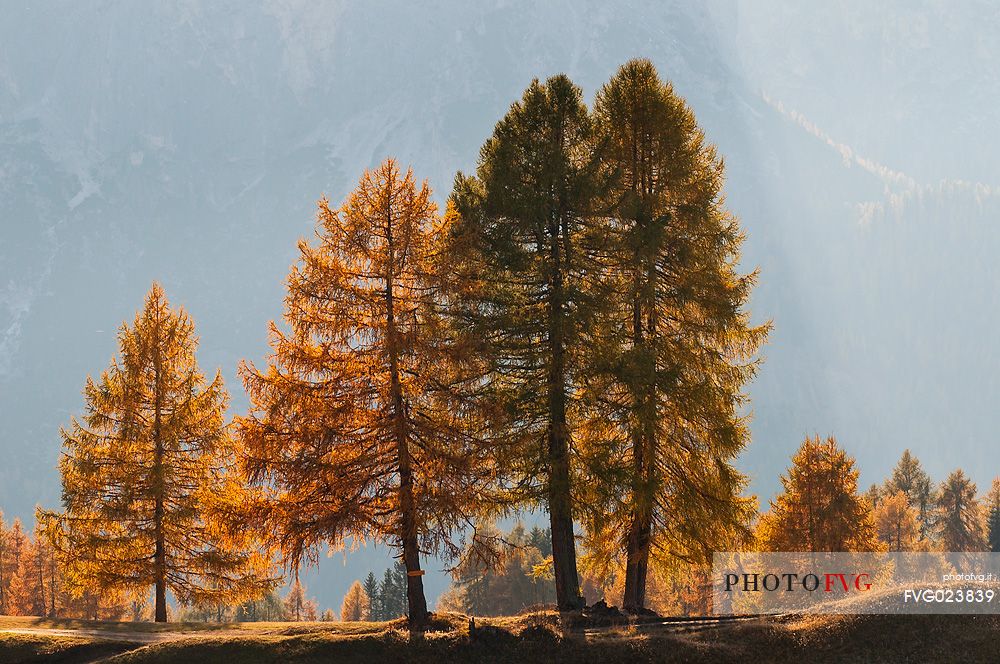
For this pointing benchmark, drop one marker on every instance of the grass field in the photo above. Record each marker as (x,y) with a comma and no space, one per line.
(535,639)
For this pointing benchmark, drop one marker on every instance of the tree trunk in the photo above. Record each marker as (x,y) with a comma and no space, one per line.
(637,543)
(567,581)
(637,564)
(41,581)
(563,541)
(160,550)
(52,585)
(640,530)
(416,602)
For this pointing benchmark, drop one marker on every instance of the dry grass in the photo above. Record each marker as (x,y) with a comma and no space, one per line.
(538,637)
(25,649)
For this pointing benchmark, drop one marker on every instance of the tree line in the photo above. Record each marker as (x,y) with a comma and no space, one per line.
(35,582)
(821,508)
(570,335)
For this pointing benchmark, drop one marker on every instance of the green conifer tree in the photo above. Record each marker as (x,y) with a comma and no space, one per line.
(674,348)
(515,233)
(909,477)
(960,523)
(374,594)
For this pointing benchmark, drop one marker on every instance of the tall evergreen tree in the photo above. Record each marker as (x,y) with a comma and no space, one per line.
(676,346)
(993,530)
(354,426)
(392,593)
(268,607)
(519,290)
(909,477)
(819,508)
(522,579)
(142,470)
(960,522)
(373,592)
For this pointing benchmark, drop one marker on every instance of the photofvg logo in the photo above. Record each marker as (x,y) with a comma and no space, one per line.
(804,582)
(827,582)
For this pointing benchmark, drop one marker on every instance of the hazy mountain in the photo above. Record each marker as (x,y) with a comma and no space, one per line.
(187,142)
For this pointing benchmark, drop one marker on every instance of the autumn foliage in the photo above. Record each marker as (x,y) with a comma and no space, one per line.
(820,508)
(355,425)
(572,335)
(144,471)
(356,605)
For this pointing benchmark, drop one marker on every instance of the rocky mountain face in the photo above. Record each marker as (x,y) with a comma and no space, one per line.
(188,142)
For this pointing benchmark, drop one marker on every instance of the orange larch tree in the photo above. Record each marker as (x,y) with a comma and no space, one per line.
(896,522)
(143,471)
(355,428)
(820,508)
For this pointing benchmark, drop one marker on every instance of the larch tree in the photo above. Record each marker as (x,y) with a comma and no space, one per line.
(355,426)
(51,578)
(819,508)
(37,572)
(35,591)
(522,579)
(875,494)
(675,347)
(960,519)
(520,292)
(144,469)
(909,477)
(356,605)
(896,522)
(298,607)
(22,589)
(16,548)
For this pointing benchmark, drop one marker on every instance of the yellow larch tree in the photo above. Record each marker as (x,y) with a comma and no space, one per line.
(354,426)
(819,508)
(144,471)
(896,522)
(356,605)
(298,607)
(14,549)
